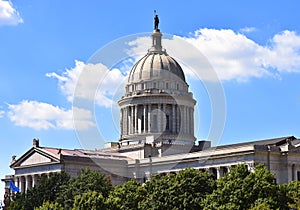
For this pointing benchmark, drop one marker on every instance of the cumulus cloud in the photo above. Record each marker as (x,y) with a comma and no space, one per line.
(232,55)
(8,14)
(236,57)
(90,82)
(40,115)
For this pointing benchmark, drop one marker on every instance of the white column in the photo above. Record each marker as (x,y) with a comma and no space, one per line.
(149,118)
(33,180)
(158,117)
(184,119)
(122,121)
(192,121)
(21,182)
(136,118)
(27,183)
(218,169)
(17,182)
(164,120)
(187,120)
(131,120)
(178,116)
(145,121)
(127,120)
(173,119)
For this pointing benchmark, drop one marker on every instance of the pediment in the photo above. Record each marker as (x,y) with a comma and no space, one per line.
(34,159)
(35,156)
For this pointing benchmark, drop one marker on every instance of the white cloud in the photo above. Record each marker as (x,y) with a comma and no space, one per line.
(232,55)
(247,29)
(40,115)
(236,57)
(8,14)
(90,82)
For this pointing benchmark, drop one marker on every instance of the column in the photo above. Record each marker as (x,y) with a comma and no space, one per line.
(145,121)
(218,169)
(17,182)
(178,116)
(164,120)
(187,119)
(184,119)
(21,182)
(192,121)
(27,184)
(149,118)
(173,119)
(126,120)
(34,181)
(158,117)
(131,120)
(136,118)
(122,121)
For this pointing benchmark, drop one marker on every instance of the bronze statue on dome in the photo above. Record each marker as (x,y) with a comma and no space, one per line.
(156,22)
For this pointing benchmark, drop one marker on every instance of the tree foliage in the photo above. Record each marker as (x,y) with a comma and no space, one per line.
(241,189)
(87,180)
(50,206)
(126,196)
(188,189)
(47,190)
(184,190)
(90,200)
(292,192)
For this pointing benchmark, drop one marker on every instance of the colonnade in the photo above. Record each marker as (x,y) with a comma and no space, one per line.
(157,118)
(26,182)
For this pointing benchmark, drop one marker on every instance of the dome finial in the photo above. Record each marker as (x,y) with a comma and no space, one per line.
(156,21)
(156,36)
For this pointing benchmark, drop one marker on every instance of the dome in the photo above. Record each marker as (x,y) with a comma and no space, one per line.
(156,65)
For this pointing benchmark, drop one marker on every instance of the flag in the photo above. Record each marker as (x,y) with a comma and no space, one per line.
(13,187)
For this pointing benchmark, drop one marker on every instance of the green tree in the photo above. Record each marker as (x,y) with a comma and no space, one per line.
(241,189)
(126,196)
(292,191)
(184,190)
(90,200)
(47,190)
(87,180)
(50,206)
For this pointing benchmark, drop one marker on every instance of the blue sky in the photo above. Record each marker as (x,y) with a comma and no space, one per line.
(253,47)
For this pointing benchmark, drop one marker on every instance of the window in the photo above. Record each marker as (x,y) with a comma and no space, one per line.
(177,86)
(167,122)
(167,85)
(154,85)
(143,125)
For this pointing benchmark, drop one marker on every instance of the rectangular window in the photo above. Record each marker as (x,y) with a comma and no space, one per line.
(298,175)
(167,122)
(154,85)
(167,85)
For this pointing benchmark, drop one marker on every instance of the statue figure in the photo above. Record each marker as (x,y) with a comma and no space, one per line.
(156,22)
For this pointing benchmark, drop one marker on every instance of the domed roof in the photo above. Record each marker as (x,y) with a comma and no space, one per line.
(156,64)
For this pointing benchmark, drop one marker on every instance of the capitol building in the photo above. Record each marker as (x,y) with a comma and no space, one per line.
(157,136)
